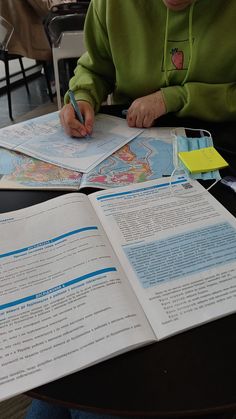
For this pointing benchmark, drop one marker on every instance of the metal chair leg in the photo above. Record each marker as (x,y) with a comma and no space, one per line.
(56,75)
(8,87)
(24,76)
(47,81)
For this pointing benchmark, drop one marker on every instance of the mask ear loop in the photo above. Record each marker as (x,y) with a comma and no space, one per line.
(182,172)
(203,132)
(213,184)
(173,182)
(175,175)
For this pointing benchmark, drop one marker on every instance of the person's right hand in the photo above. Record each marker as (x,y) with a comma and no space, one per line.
(71,124)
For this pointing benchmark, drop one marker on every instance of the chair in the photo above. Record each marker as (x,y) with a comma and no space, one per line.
(6,31)
(71,45)
(64,28)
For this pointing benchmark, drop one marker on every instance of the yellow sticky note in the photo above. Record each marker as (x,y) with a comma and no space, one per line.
(202,160)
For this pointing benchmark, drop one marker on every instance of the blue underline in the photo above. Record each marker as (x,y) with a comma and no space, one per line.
(162,185)
(57,288)
(46,242)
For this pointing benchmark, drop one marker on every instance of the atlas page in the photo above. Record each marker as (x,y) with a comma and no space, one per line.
(148,156)
(65,302)
(45,139)
(177,245)
(18,171)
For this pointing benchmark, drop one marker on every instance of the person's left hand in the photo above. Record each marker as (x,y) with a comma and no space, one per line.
(144,110)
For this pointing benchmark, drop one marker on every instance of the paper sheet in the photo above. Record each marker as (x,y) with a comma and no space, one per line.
(45,139)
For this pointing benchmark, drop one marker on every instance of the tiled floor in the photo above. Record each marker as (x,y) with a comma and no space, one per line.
(22,102)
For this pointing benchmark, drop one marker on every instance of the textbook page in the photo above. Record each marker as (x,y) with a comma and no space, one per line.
(44,138)
(65,302)
(177,246)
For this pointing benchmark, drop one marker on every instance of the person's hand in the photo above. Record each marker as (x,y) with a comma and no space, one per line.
(71,124)
(144,110)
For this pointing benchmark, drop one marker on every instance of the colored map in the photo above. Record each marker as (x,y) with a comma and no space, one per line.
(148,156)
(18,171)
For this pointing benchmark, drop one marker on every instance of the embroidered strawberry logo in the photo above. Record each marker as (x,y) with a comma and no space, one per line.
(177,58)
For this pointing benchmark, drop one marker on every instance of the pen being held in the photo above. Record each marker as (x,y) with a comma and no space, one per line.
(76,108)
(83,114)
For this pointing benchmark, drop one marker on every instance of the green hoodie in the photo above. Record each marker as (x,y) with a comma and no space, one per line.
(136,47)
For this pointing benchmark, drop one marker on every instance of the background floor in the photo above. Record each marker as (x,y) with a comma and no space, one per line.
(14,408)
(22,103)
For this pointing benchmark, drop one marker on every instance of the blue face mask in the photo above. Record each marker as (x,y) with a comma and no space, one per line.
(188,144)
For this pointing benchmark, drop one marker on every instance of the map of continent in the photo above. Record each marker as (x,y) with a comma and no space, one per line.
(144,158)
(20,171)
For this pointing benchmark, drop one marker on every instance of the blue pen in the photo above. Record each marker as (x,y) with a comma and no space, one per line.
(73,102)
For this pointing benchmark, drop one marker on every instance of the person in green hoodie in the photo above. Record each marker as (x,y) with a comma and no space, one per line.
(157,57)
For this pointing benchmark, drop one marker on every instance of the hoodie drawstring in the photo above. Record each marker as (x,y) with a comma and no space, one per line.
(165,47)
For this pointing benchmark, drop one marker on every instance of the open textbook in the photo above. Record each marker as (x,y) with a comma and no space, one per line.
(147,156)
(44,138)
(85,278)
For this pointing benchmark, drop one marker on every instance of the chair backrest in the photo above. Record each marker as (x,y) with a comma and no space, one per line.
(65,17)
(65,23)
(6,31)
(70,7)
